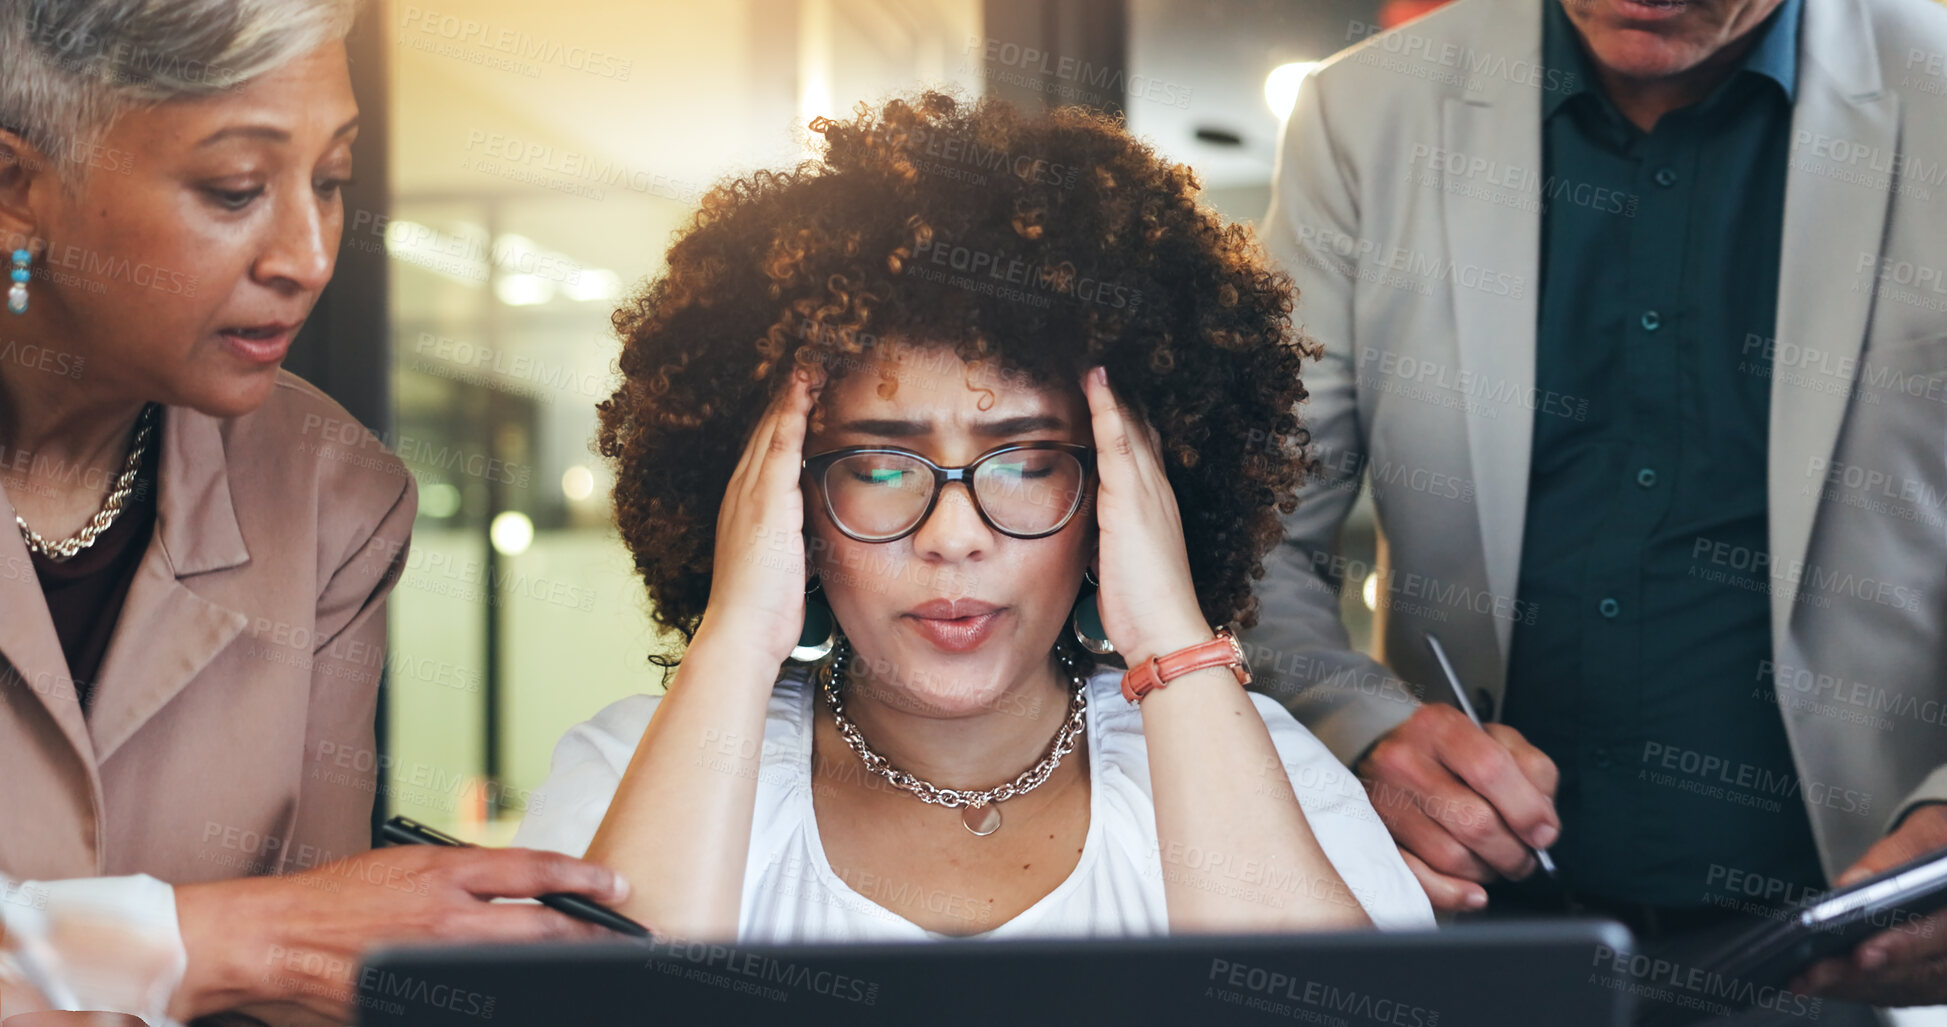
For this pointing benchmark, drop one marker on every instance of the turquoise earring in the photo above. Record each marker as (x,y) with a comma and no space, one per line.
(17,293)
(820,632)
(1087,621)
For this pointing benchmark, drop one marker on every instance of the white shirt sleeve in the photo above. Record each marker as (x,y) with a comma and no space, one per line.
(1346,825)
(92,943)
(566,811)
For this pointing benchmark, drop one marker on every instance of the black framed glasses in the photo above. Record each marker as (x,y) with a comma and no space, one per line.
(1023,490)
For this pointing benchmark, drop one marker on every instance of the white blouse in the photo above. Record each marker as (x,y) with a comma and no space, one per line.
(792,894)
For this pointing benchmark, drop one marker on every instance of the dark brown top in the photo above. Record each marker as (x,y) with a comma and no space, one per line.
(85,594)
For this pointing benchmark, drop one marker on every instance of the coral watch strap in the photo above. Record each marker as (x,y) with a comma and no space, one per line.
(1157,671)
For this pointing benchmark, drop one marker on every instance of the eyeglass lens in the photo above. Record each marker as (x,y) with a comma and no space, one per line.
(1022,491)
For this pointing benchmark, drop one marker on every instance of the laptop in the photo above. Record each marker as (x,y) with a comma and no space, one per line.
(1474,975)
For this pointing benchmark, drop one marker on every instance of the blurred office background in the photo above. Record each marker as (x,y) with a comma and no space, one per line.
(522,169)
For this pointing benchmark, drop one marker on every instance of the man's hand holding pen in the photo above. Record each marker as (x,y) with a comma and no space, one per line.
(1465,803)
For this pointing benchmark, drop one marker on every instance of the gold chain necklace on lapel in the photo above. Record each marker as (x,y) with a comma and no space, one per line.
(111,508)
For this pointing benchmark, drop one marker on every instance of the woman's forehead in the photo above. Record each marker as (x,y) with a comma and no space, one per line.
(935,387)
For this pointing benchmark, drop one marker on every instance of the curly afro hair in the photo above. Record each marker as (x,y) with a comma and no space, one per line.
(1035,245)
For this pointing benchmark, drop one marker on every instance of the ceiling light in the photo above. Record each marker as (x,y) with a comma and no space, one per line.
(593,285)
(439,500)
(511,533)
(578,483)
(523,290)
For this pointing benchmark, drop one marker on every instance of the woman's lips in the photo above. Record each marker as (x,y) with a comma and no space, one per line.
(267,344)
(956,634)
(1651,10)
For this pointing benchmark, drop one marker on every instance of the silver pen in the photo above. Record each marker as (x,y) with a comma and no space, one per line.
(1460,700)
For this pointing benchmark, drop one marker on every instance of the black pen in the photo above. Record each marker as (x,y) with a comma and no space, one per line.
(407,831)
(1460,699)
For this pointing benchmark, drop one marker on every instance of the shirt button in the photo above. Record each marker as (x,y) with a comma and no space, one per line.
(1602,756)
(1666,177)
(1652,320)
(1646,477)
(1609,607)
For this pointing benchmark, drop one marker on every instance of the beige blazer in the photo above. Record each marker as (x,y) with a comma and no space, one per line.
(1407,208)
(244,668)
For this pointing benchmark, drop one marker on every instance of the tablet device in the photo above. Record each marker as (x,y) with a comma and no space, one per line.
(1837,920)
(1748,964)
(1477,975)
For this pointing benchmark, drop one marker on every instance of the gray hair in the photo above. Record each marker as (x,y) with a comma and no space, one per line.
(73,66)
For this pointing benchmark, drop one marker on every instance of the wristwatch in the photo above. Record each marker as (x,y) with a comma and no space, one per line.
(1157,671)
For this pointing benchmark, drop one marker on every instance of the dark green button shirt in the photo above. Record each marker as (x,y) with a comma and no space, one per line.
(1646,672)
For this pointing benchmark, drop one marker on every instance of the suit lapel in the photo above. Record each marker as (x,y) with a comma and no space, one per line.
(1831,223)
(30,644)
(1498,120)
(168,632)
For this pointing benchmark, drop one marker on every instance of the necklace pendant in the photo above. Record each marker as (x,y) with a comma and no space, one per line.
(982,819)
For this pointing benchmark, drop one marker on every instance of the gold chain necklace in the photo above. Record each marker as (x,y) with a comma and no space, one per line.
(111,508)
(981,816)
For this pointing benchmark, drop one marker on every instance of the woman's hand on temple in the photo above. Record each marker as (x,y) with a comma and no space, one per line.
(301,938)
(759,573)
(1148,599)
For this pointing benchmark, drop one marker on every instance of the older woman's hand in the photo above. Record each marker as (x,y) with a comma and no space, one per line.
(300,938)
(758,579)
(1148,599)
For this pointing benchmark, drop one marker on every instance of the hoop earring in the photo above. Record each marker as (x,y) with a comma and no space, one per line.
(17,293)
(820,632)
(1086,620)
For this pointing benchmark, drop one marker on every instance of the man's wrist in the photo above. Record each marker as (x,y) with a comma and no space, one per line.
(1932,808)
